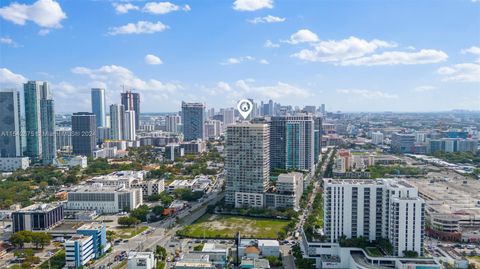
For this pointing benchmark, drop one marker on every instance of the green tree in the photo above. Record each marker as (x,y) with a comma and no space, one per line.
(158,210)
(40,240)
(128,221)
(410,254)
(19,239)
(160,252)
(110,236)
(140,213)
(274,261)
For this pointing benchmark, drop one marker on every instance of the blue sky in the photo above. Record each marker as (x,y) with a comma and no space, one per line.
(351,55)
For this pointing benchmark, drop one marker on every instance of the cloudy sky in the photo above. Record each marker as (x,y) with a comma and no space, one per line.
(358,55)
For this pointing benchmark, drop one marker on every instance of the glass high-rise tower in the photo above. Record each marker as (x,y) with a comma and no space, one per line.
(193,121)
(292,142)
(98,106)
(117,121)
(10,128)
(131,101)
(39,122)
(84,133)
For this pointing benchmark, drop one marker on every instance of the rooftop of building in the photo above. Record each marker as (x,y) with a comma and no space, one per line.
(193,264)
(289,178)
(458,198)
(195,257)
(140,255)
(98,187)
(40,207)
(245,124)
(78,237)
(268,243)
(91,226)
(354,181)
(212,247)
(255,263)
(252,250)
(121,175)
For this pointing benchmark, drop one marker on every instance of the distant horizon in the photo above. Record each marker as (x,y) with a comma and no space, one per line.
(351,55)
(340,111)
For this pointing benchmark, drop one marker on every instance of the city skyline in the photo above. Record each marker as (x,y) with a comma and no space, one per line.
(402,57)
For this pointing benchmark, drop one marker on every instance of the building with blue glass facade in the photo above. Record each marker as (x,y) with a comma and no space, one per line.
(98,233)
(193,120)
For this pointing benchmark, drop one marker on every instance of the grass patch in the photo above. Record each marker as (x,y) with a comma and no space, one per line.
(127,233)
(57,261)
(121,265)
(160,264)
(225,226)
(475,258)
(373,252)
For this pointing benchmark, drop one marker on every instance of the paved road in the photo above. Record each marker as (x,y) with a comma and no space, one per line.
(287,259)
(164,230)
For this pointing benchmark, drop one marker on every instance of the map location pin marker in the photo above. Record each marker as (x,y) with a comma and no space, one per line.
(244,106)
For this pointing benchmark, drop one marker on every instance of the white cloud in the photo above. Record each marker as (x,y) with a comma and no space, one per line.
(464,72)
(252,5)
(152,59)
(264,61)
(302,36)
(270,44)
(140,27)
(425,88)
(44,32)
(267,19)
(473,50)
(224,86)
(10,79)
(124,8)
(8,41)
(45,13)
(63,89)
(279,90)
(160,7)
(221,87)
(114,76)
(425,56)
(335,51)
(367,94)
(237,60)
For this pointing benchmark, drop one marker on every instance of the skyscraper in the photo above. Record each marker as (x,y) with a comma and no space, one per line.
(375,209)
(129,126)
(39,121)
(228,116)
(84,137)
(131,101)
(117,121)
(10,128)
(318,138)
(49,148)
(247,164)
(193,120)
(98,105)
(292,142)
(322,109)
(171,122)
